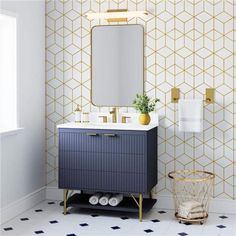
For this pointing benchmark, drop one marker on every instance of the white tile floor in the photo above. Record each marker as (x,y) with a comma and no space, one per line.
(47,219)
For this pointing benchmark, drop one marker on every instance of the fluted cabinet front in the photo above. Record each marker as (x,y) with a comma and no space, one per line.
(108,160)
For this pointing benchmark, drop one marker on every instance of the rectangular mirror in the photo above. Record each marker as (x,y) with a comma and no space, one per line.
(117,64)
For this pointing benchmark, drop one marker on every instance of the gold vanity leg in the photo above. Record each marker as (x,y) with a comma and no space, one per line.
(140,207)
(65,193)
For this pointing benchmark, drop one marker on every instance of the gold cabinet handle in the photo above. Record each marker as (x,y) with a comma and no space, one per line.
(110,135)
(91,134)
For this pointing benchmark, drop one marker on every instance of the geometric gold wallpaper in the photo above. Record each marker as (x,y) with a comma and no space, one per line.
(188,44)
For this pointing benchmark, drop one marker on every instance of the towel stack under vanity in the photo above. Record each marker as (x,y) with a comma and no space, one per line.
(105,199)
(191,210)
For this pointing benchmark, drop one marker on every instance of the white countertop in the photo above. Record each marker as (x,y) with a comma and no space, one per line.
(112,126)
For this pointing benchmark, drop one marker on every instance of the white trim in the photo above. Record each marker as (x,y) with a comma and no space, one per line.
(12,210)
(224,206)
(18,52)
(10,132)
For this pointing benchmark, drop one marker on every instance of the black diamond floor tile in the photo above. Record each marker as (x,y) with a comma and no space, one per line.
(148,230)
(71,235)
(53,221)
(124,218)
(8,228)
(94,215)
(161,212)
(221,226)
(187,223)
(51,203)
(115,227)
(182,234)
(155,220)
(84,224)
(24,219)
(38,210)
(39,232)
(223,217)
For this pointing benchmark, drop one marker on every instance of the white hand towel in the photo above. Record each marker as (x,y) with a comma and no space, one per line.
(94,199)
(104,200)
(190,115)
(115,199)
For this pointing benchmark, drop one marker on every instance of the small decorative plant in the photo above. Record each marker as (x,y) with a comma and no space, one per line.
(144,105)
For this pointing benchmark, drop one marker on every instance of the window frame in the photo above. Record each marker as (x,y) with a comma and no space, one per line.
(17,129)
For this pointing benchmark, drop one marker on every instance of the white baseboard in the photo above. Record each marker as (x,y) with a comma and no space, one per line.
(217,205)
(12,210)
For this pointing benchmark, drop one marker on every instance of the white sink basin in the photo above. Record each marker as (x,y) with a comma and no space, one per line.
(111,126)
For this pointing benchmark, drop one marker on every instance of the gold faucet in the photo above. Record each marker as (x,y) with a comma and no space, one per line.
(114,115)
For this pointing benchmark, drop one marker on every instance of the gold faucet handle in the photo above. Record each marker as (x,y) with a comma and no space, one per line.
(124,118)
(104,119)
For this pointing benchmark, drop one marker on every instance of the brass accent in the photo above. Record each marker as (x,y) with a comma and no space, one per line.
(110,135)
(91,74)
(113,112)
(210,95)
(91,134)
(109,20)
(140,205)
(175,95)
(201,220)
(65,193)
(104,119)
(209,175)
(123,119)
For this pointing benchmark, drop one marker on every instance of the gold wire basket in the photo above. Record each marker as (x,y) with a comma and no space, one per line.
(192,190)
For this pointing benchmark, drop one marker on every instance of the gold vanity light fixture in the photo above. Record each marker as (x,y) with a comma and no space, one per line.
(116,15)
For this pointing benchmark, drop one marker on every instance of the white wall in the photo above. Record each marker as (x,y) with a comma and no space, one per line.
(23,154)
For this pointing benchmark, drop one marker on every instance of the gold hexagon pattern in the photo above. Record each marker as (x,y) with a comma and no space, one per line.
(189,44)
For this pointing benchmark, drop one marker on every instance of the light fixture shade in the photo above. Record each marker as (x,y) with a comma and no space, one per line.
(115,14)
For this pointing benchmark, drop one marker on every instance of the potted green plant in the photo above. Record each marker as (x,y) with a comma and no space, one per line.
(144,105)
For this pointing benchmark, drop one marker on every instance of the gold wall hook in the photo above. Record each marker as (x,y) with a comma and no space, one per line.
(210,95)
(175,95)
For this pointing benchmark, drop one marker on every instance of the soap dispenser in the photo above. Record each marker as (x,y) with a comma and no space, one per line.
(78,114)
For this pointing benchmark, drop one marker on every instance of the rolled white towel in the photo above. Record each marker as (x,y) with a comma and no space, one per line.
(182,212)
(94,199)
(194,215)
(190,205)
(115,199)
(104,200)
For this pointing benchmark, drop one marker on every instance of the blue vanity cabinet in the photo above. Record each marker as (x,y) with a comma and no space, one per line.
(123,161)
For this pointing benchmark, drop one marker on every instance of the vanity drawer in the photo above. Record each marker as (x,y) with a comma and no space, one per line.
(102,181)
(115,162)
(102,141)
